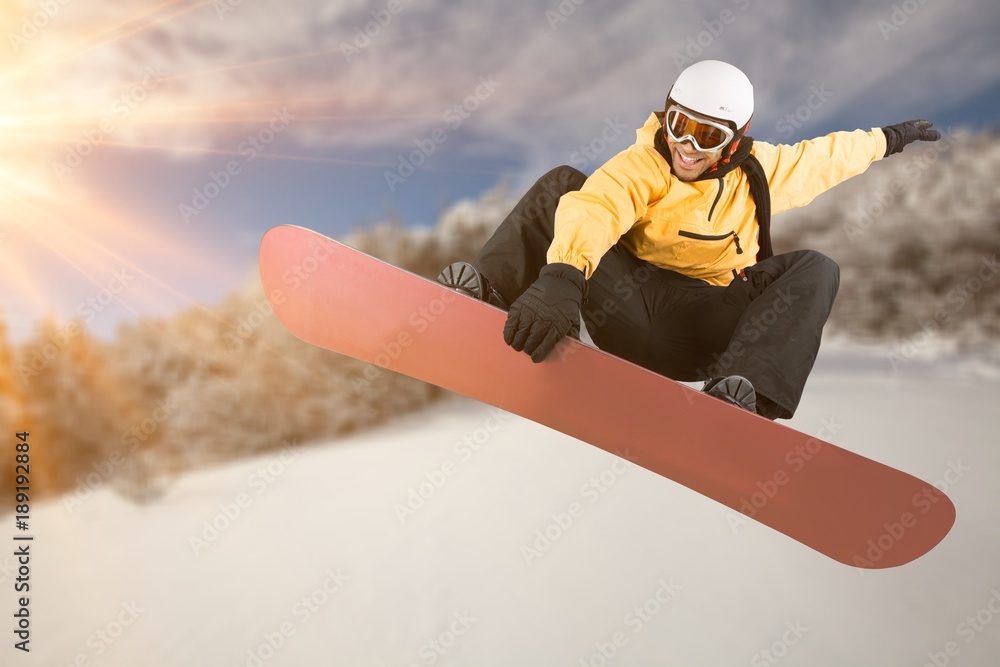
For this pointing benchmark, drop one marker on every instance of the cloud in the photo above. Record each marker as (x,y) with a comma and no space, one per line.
(367,79)
(408,60)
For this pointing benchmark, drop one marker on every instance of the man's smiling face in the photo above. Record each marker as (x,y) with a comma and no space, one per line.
(689,162)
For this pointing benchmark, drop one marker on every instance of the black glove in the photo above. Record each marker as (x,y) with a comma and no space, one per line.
(897,136)
(547,311)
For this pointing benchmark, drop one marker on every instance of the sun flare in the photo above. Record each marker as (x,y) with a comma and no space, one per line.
(67,104)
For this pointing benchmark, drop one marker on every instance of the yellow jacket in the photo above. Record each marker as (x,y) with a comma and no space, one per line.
(634,197)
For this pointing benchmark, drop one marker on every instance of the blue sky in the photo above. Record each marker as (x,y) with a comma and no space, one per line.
(329,97)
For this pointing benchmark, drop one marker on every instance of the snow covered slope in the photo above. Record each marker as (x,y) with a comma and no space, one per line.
(465,536)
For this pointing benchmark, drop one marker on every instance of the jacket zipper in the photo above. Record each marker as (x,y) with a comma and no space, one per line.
(720,237)
(717,197)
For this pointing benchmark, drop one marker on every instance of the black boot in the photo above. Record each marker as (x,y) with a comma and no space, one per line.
(734,389)
(464,278)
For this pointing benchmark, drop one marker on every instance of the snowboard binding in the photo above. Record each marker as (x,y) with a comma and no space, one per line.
(464,278)
(734,389)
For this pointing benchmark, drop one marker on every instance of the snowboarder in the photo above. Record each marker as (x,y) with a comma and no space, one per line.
(664,251)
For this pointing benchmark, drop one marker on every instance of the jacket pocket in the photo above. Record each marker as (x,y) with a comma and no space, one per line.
(712,237)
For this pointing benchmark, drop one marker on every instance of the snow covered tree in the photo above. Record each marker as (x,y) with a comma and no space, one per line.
(73,407)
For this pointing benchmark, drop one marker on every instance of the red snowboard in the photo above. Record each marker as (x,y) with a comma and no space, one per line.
(852,509)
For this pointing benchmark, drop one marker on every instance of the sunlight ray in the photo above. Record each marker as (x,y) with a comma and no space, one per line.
(296,158)
(87,44)
(77,265)
(17,274)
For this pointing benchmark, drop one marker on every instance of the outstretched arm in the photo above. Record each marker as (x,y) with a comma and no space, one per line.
(798,173)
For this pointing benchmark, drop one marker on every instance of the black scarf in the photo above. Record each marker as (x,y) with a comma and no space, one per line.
(759,191)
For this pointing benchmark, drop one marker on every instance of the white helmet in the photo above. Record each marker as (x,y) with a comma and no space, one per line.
(716,89)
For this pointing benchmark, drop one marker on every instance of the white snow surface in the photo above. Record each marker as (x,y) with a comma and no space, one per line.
(318,567)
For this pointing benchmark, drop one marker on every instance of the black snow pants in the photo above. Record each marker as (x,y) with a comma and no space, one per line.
(765,326)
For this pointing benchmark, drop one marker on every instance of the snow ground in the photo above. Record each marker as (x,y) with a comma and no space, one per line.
(313,563)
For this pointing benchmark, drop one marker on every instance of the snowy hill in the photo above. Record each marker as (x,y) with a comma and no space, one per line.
(420,543)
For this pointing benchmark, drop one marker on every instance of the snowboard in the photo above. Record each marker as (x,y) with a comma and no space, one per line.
(852,509)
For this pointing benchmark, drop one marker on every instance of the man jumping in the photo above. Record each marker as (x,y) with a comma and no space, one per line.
(664,251)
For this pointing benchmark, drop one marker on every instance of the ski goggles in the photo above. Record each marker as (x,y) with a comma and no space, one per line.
(706,134)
